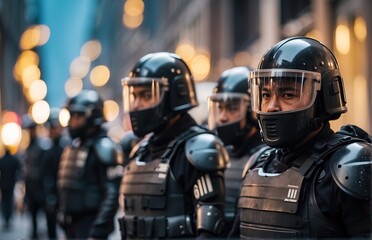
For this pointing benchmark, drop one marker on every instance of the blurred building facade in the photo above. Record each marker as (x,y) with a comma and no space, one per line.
(233,33)
(211,35)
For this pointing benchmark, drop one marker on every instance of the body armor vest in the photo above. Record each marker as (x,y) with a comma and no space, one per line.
(75,194)
(283,205)
(233,181)
(153,200)
(33,170)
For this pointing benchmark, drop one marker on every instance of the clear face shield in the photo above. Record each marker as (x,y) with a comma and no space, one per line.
(227,108)
(143,93)
(277,91)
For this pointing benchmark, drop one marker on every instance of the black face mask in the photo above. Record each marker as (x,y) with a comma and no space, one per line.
(288,129)
(77,132)
(229,132)
(233,134)
(148,120)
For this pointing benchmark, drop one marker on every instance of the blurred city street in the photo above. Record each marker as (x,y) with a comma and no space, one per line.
(21,227)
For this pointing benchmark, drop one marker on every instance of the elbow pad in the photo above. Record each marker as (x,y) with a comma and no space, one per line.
(206,152)
(210,219)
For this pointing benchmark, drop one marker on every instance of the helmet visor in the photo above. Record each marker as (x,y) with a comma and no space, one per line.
(143,93)
(226,108)
(282,90)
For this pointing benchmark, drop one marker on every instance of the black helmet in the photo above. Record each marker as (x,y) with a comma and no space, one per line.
(229,107)
(303,76)
(164,83)
(89,104)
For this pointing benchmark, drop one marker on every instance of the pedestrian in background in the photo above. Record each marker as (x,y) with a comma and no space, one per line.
(10,167)
(49,164)
(33,173)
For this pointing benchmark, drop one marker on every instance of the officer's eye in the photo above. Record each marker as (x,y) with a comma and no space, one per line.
(232,107)
(266,95)
(147,96)
(288,95)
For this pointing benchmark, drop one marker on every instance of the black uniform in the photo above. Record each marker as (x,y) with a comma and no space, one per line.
(49,165)
(9,166)
(233,174)
(35,195)
(88,186)
(164,191)
(321,189)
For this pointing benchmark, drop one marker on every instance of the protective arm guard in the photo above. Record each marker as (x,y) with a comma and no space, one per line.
(206,152)
(109,155)
(351,168)
(210,219)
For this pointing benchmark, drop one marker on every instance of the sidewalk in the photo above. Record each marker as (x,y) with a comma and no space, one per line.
(21,228)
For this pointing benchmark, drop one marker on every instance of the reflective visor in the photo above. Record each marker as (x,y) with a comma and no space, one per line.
(283,90)
(225,108)
(143,93)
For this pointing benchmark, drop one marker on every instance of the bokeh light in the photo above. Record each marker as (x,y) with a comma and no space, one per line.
(64,117)
(33,36)
(25,59)
(99,75)
(80,66)
(40,111)
(110,110)
(37,91)
(11,134)
(134,7)
(132,21)
(10,116)
(91,49)
(73,86)
(200,65)
(30,74)
(360,28)
(342,39)
(185,50)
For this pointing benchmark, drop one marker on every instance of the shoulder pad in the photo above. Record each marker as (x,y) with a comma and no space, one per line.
(351,168)
(107,151)
(206,152)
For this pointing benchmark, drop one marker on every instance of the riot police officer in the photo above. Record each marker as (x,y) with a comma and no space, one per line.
(313,182)
(49,165)
(173,186)
(89,173)
(230,115)
(10,166)
(32,172)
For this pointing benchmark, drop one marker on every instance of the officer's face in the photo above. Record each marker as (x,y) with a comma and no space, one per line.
(55,131)
(285,97)
(141,97)
(76,120)
(229,112)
